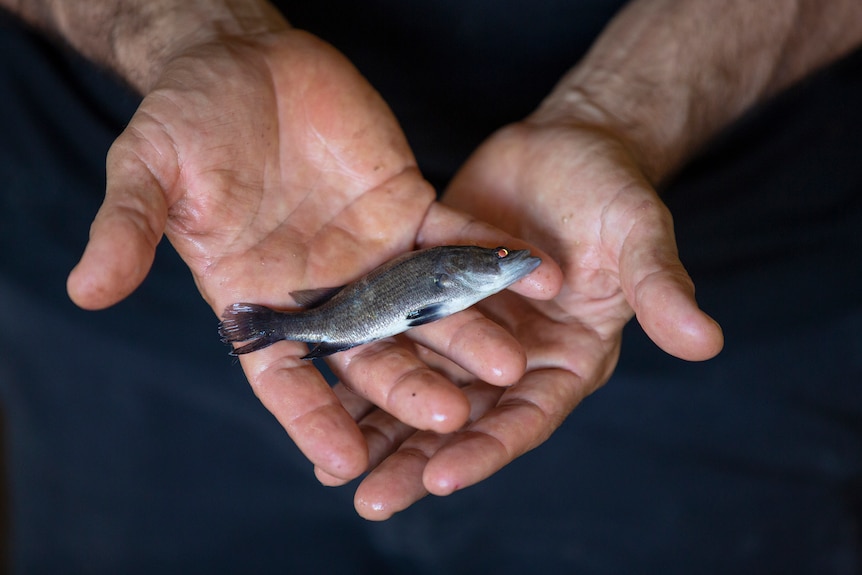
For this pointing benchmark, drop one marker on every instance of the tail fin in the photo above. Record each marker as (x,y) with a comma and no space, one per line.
(248,321)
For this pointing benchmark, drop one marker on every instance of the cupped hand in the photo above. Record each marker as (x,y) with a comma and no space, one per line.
(272,166)
(574,191)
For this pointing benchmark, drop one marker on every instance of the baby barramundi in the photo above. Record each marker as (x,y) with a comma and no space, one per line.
(413,289)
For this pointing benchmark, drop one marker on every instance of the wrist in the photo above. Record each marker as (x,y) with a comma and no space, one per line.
(649,134)
(667,75)
(660,79)
(136,38)
(140,54)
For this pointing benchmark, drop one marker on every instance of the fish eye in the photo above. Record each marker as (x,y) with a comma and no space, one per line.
(502,252)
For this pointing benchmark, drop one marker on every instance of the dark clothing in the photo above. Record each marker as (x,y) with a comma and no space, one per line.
(134,444)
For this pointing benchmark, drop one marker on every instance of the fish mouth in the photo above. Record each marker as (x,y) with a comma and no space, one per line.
(518,264)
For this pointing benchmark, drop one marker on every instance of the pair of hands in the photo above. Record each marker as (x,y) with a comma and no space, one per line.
(272,166)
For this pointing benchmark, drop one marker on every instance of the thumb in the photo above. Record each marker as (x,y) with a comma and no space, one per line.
(123,236)
(661,292)
(668,313)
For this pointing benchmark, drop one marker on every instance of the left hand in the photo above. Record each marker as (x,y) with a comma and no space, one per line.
(576,193)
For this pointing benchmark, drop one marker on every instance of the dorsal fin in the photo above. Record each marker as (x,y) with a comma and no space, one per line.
(314,297)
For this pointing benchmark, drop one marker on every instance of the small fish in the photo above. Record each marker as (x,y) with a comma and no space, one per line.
(413,289)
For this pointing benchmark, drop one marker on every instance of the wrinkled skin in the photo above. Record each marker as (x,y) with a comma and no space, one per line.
(272,166)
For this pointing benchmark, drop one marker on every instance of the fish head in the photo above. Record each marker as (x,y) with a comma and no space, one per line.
(486,271)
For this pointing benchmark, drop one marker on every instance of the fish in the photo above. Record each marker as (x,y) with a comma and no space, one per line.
(413,289)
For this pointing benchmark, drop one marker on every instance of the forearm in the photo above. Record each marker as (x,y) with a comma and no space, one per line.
(668,74)
(134,38)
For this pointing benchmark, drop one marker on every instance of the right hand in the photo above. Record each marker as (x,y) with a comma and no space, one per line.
(272,166)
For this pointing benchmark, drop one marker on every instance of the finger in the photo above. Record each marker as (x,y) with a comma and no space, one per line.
(660,290)
(358,407)
(476,344)
(398,461)
(389,375)
(383,433)
(295,392)
(666,308)
(451,370)
(397,482)
(524,417)
(445,225)
(123,236)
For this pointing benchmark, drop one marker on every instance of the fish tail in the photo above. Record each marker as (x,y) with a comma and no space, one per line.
(257,324)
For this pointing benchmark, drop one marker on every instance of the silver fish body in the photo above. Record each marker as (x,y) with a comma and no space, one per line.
(412,289)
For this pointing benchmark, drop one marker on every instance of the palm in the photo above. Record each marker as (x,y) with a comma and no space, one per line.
(281,191)
(578,195)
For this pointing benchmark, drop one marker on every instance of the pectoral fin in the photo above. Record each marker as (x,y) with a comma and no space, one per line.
(426,315)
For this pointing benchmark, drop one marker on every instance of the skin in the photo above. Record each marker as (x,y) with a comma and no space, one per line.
(269,163)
